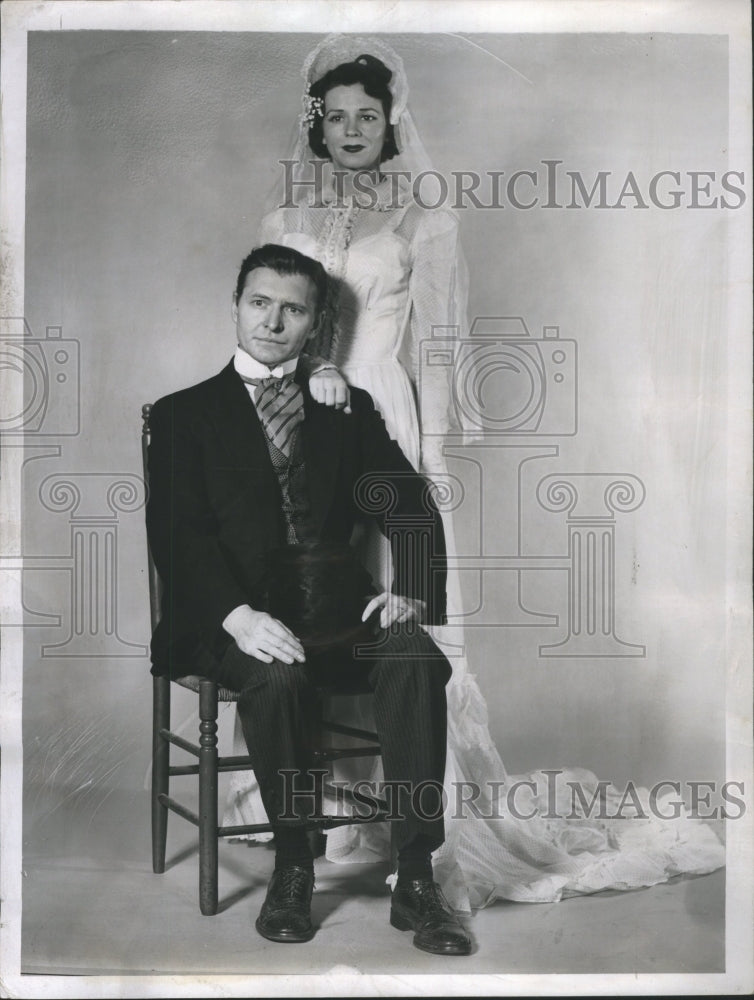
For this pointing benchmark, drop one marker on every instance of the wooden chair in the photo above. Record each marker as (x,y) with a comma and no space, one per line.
(209,764)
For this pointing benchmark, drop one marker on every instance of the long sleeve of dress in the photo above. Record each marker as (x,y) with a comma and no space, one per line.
(439,293)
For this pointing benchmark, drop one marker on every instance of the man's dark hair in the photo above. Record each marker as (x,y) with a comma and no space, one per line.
(374,77)
(283,260)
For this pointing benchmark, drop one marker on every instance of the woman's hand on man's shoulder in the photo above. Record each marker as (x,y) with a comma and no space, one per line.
(328,387)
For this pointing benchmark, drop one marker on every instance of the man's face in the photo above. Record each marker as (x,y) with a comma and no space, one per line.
(275,315)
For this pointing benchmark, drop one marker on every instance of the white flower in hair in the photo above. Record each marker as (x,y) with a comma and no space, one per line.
(313,107)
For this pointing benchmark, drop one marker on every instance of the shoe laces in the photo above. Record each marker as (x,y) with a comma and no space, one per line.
(293,883)
(433,901)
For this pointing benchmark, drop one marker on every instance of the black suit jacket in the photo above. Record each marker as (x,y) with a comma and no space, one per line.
(215,509)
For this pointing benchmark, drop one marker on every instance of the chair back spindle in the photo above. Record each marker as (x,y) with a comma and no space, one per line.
(155,584)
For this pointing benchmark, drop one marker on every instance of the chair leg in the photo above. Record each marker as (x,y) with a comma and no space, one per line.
(208,825)
(160,774)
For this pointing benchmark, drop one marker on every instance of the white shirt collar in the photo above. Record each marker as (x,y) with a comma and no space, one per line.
(249,367)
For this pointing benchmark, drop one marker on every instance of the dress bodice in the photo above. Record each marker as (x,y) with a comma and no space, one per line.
(374,301)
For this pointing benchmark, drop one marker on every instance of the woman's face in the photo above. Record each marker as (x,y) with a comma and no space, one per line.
(354,128)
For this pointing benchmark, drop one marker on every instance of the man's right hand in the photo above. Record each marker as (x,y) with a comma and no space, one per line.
(258,634)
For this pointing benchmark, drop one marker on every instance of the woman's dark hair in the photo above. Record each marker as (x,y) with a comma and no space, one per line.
(283,260)
(374,77)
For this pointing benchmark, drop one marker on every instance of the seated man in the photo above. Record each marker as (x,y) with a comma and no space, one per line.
(247,462)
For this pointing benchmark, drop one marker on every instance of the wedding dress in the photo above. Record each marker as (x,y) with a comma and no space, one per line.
(398,275)
(393,266)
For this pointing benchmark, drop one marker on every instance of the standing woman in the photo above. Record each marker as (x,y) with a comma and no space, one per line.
(395,267)
(346,198)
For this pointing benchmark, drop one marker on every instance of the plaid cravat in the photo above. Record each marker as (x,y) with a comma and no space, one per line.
(280,405)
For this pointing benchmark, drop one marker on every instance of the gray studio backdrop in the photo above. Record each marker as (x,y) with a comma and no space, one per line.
(150,155)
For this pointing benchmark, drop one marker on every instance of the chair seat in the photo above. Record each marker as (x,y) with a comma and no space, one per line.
(192,681)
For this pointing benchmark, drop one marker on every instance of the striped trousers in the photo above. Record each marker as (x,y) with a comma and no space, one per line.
(278,706)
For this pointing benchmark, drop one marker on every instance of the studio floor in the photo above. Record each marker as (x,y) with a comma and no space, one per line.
(91,905)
